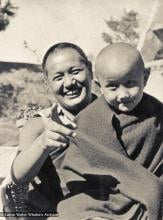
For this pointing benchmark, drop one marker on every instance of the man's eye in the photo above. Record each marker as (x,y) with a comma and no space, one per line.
(76,71)
(57,78)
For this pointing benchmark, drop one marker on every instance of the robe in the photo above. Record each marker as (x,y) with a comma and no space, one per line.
(113,168)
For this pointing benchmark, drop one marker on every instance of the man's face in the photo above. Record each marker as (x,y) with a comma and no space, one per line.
(69,78)
(123,90)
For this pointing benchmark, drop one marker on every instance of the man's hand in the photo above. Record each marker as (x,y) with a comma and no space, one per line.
(57,135)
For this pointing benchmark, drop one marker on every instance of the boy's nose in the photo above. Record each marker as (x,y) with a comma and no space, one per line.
(123,93)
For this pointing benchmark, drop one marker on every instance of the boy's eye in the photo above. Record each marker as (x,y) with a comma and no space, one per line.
(130,83)
(112,86)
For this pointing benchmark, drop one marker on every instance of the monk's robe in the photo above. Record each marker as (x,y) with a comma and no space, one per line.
(113,168)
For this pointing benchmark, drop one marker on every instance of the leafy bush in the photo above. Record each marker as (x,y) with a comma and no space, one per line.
(20,90)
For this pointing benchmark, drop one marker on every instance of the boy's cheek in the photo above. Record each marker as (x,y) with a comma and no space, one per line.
(110,97)
(135,91)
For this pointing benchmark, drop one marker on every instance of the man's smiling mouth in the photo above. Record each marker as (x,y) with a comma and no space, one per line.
(73,93)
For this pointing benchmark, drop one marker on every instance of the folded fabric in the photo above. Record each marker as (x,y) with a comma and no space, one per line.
(108,174)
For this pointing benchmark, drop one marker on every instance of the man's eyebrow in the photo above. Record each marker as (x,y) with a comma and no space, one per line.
(76,67)
(58,72)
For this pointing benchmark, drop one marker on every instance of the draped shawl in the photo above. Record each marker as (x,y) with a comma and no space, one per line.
(113,168)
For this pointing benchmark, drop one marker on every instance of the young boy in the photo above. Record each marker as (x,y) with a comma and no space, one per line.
(113,170)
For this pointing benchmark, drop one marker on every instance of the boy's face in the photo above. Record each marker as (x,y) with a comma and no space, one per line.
(69,78)
(122,88)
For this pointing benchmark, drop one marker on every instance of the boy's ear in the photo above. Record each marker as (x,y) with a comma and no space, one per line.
(146,75)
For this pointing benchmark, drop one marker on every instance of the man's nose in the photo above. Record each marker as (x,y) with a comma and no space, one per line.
(68,80)
(123,93)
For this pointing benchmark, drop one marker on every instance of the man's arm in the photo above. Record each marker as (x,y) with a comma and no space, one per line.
(37,140)
(31,155)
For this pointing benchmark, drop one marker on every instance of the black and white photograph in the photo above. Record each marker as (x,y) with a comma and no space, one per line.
(81,110)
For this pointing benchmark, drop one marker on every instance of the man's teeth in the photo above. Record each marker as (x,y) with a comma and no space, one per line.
(71,92)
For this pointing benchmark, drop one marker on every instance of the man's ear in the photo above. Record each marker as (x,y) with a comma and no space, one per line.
(96,80)
(146,75)
(90,69)
(91,75)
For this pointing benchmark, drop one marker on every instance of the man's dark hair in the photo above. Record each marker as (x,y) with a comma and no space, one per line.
(65,45)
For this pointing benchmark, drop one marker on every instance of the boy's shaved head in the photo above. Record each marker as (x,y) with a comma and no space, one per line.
(118,58)
(120,71)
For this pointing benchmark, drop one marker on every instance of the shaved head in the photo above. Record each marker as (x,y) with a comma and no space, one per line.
(118,58)
(120,71)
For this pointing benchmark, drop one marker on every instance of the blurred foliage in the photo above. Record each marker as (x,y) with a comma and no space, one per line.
(123,29)
(7,10)
(19,89)
(21,93)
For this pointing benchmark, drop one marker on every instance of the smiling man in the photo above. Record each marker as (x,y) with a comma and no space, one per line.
(69,78)
(45,138)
